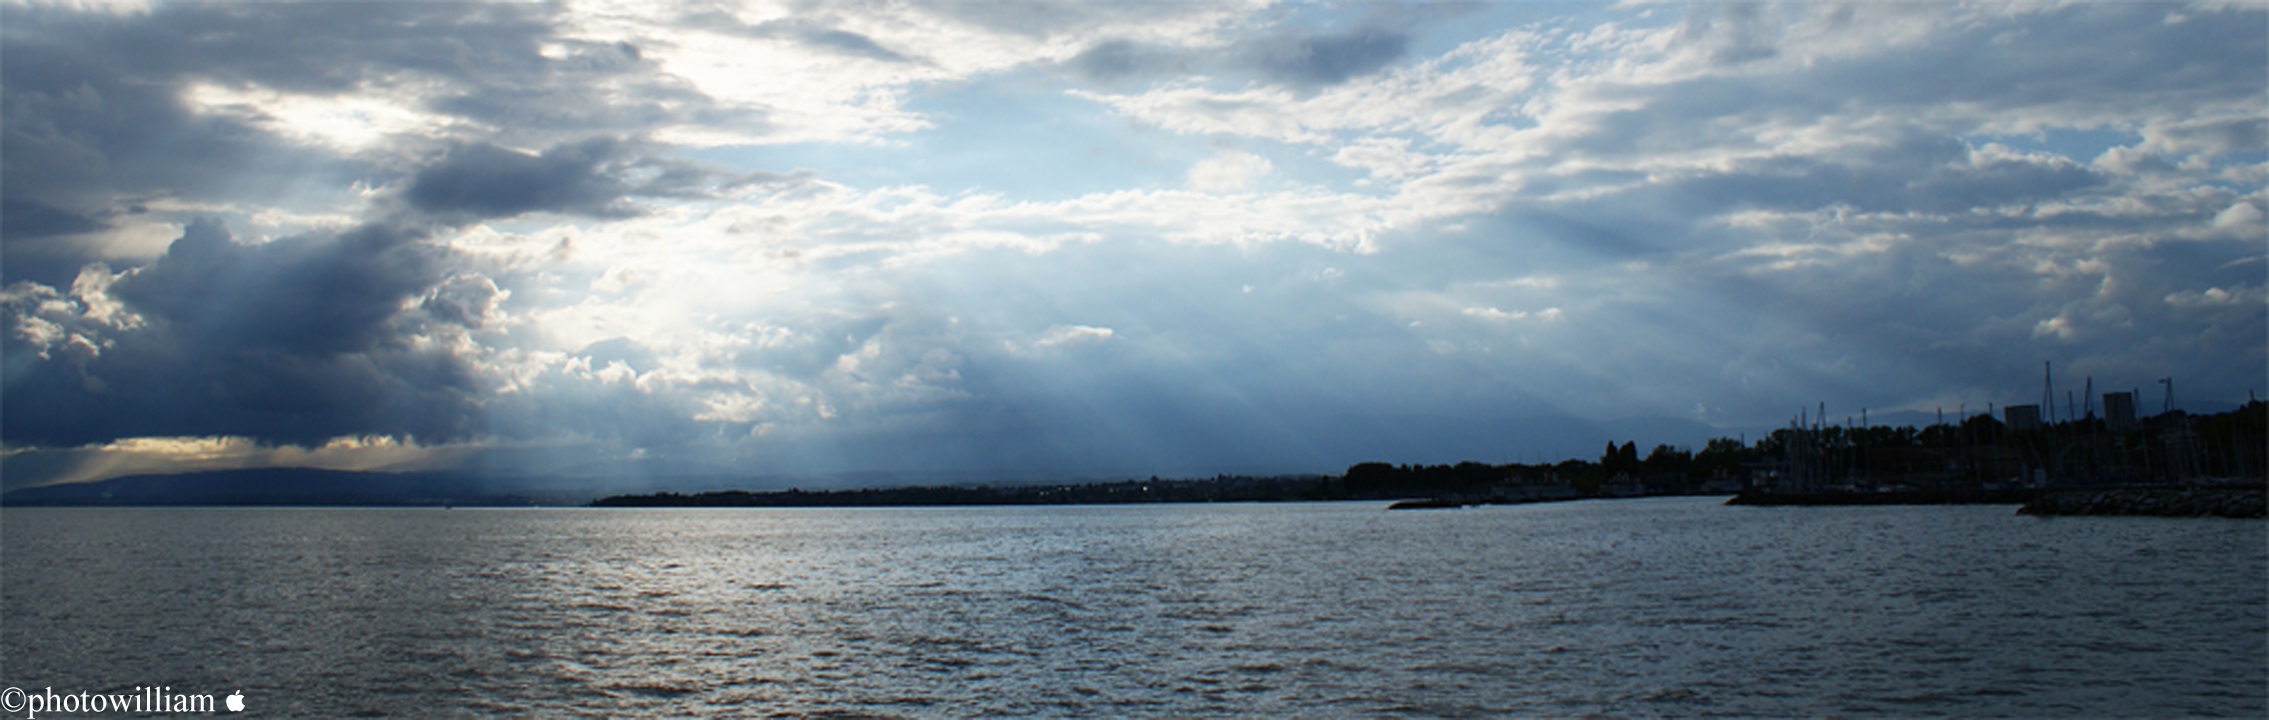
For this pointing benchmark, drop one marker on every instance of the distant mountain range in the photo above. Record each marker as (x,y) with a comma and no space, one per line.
(300,486)
(307,486)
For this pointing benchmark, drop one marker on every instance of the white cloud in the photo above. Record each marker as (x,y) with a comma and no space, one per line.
(1229,171)
(2061,327)
(1490,313)
(1385,158)
(1072,334)
(2212,297)
(1059,336)
(2242,215)
(351,123)
(114,7)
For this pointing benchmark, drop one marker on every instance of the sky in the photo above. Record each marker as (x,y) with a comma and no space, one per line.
(893,241)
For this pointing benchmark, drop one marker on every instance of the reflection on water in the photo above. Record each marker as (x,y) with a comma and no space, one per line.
(1642,607)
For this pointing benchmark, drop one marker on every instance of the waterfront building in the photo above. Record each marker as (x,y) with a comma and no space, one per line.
(2119,411)
(2021,417)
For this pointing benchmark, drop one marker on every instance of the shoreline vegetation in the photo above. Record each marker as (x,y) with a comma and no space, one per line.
(2180,500)
(2173,464)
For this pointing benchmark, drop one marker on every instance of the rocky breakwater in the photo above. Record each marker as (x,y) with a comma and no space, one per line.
(2247,501)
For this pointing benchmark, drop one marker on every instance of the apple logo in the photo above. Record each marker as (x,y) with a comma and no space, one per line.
(236,702)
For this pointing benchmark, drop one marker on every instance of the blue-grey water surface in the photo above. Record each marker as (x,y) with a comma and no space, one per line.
(1680,607)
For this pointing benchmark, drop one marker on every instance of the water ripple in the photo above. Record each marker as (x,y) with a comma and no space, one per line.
(1638,608)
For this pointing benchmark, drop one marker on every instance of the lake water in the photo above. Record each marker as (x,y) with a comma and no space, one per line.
(1676,606)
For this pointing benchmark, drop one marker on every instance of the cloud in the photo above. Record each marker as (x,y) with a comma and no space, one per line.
(593,178)
(1292,59)
(214,110)
(467,300)
(31,219)
(2241,215)
(1228,171)
(1325,59)
(1057,19)
(295,340)
(1734,32)
(1119,58)
(2218,296)
(311,294)
(88,135)
(819,35)
(1072,334)
(1271,234)
(1494,314)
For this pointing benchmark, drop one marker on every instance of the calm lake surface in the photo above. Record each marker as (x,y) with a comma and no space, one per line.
(1677,606)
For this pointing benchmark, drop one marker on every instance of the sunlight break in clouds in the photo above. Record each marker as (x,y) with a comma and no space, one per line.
(141,455)
(1033,240)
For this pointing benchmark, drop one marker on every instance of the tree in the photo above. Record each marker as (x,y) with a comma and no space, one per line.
(1667,460)
(1624,459)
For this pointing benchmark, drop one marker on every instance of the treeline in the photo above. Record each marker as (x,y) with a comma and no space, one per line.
(1224,488)
(1975,453)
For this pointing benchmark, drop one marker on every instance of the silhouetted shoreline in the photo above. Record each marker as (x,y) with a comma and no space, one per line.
(2171,464)
(2163,501)
(2004,496)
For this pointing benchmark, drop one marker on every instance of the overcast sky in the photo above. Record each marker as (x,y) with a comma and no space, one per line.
(1053,239)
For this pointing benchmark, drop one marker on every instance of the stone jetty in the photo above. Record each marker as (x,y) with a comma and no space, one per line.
(2247,501)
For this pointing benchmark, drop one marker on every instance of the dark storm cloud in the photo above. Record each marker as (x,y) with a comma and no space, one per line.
(1302,60)
(315,47)
(484,180)
(37,246)
(1318,60)
(323,293)
(83,131)
(561,97)
(593,178)
(1115,59)
(94,113)
(294,340)
(25,219)
(94,99)
(489,59)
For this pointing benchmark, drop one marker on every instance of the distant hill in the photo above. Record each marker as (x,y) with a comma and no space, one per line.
(293,486)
